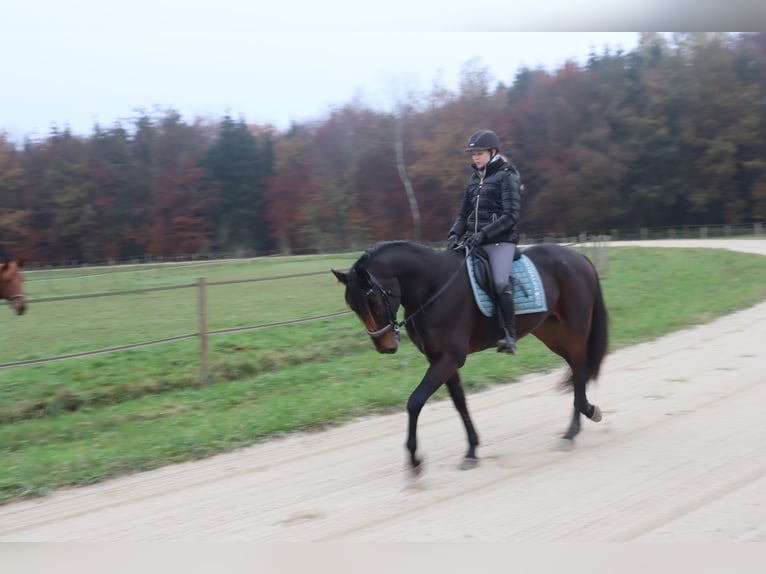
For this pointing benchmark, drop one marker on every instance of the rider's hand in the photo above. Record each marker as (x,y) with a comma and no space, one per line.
(452,241)
(474,240)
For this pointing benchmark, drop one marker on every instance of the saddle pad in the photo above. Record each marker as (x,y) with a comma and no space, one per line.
(528,292)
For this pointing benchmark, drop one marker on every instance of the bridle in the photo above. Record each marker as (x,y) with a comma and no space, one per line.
(385,293)
(393,324)
(6,282)
(11,298)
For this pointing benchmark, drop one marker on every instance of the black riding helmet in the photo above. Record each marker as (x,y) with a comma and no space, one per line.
(483,140)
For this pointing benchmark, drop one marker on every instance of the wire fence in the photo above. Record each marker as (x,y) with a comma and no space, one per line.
(754,229)
(596,249)
(166,340)
(202,333)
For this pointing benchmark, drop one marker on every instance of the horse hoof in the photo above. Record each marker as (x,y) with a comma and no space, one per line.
(565,445)
(469,463)
(415,471)
(596,414)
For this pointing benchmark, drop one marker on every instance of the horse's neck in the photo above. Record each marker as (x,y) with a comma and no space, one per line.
(419,274)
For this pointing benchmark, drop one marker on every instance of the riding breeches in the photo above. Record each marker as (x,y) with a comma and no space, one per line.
(500,260)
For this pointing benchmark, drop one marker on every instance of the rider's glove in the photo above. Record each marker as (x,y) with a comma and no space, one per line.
(474,240)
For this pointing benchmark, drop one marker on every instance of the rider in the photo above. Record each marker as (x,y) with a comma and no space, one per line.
(488,215)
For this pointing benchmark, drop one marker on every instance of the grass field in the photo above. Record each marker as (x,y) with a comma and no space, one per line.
(83,420)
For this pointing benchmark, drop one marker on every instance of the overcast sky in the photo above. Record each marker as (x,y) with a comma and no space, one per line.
(79,62)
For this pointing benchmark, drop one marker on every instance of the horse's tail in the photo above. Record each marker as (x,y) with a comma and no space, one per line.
(598,338)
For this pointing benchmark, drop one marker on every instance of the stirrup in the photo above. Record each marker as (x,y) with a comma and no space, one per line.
(506,345)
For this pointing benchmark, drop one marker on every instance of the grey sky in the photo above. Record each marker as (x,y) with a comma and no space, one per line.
(77,62)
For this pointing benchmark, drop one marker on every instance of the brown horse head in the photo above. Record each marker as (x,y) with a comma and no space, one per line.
(11,285)
(375,304)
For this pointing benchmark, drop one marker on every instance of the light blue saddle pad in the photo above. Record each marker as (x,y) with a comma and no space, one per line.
(528,292)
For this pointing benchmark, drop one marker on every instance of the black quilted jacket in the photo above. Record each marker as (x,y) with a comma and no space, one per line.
(491,204)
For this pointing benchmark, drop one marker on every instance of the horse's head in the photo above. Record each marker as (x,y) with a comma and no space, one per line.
(375,300)
(11,283)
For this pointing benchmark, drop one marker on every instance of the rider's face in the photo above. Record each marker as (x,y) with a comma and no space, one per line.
(481,157)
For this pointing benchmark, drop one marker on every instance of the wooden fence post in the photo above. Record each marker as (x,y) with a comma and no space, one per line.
(202,303)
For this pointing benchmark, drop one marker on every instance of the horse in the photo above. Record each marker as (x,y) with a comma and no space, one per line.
(446,325)
(11,281)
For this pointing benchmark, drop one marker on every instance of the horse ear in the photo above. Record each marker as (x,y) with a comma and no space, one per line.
(342,277)
(364,277)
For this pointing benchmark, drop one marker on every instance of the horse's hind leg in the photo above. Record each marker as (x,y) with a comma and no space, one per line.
(458,399)
(566,345)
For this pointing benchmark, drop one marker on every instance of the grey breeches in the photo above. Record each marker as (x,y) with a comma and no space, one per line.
(500,259)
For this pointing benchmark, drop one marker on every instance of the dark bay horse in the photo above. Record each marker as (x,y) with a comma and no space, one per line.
(11,283)
(446,325)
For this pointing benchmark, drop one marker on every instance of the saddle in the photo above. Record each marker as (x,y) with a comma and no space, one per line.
(528,290)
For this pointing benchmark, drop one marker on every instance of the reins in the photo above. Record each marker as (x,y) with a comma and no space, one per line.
(393,323)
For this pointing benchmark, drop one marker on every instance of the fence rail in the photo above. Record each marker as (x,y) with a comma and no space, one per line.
(597,242)
(203,332)
(166,340)
(755,229)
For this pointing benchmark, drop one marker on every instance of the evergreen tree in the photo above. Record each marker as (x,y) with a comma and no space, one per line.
(235,169)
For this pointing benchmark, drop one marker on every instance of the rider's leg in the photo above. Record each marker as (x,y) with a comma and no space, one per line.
(501,259)
(505,301)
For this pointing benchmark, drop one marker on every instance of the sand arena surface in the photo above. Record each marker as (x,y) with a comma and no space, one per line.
(680,456)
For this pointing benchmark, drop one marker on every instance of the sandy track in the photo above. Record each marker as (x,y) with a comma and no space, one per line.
(679,456)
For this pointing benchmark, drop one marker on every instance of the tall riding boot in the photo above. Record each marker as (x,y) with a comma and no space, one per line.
(508,312)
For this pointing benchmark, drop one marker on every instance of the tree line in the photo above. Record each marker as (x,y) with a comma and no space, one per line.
(671,133)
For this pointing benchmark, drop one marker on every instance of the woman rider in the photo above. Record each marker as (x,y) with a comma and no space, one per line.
(488,216)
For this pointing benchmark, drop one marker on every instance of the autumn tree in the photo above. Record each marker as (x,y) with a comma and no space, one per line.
(749,64)
(15,218)
(176,220)
(58,194)
(335,148)
(289,197)
(113,173)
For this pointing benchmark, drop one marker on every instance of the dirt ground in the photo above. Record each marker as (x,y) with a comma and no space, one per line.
(679,457)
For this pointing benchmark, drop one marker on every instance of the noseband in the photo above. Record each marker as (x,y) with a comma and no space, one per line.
(385,293)
(16,296)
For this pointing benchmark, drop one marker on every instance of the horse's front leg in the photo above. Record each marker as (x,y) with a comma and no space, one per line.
(438,372)
(458,399)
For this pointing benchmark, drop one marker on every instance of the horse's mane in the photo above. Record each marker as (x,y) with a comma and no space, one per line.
(383,247)
(356,288)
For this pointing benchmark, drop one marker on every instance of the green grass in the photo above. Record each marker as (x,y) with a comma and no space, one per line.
(83,420)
